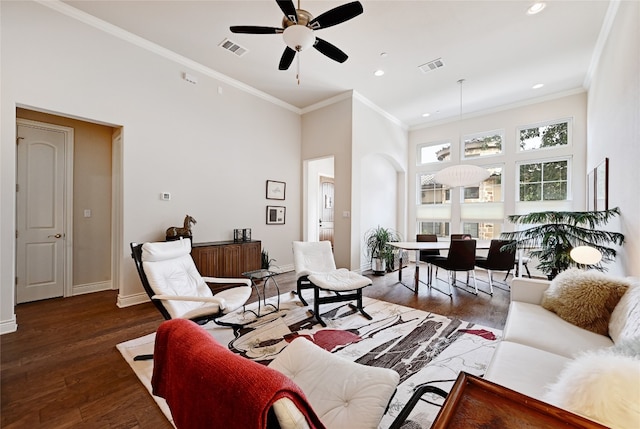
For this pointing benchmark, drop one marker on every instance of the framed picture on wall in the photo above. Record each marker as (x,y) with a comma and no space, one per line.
(275,215)
(276,190)
(602,185)
(591,190)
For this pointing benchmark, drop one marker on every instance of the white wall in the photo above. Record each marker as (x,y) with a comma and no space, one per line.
(614,128)
(379,176)
(212,151)
(327,132)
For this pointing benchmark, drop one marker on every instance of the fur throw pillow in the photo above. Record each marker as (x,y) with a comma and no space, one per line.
(601,385)
(584,298)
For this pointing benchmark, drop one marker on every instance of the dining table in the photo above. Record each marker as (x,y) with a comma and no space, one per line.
(417,246)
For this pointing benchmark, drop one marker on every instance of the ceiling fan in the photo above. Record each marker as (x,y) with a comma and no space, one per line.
(298,27)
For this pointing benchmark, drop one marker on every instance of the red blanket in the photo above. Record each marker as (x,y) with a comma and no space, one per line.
(208,386)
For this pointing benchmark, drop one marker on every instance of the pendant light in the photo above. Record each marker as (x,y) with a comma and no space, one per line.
(461,174)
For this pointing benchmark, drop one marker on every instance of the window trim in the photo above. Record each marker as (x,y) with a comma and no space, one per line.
(518,164)
(568,120)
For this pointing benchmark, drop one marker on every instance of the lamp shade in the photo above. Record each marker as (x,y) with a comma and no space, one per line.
(461,175)
(585,255)
(298,37)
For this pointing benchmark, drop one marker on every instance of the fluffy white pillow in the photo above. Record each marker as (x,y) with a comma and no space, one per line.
(585,298)
(601,385)
(625,318)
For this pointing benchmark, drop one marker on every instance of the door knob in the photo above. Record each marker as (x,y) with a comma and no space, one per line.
(55,236)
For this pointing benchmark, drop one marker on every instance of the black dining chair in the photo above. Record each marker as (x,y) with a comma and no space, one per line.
(461,237)
(496,260)
(426,255)
(461,257)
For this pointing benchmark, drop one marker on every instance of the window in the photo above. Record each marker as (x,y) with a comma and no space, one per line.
(434,152)
(482,230)
(441,229)
(489,191)
(543,181)
(483,144)
(544,136)
(432,192)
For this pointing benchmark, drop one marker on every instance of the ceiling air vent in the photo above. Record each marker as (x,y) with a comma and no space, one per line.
(233,47)
(431,65)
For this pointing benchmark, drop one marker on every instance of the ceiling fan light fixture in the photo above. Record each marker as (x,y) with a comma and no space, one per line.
(298,37)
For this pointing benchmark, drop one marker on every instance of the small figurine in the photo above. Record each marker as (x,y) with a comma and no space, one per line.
(175,231)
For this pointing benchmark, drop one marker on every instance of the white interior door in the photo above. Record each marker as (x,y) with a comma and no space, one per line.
(40,201)
(326,218)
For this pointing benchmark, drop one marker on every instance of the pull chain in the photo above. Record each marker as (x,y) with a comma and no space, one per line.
(298,67)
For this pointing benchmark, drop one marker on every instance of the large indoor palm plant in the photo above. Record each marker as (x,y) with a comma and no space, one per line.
(556,233)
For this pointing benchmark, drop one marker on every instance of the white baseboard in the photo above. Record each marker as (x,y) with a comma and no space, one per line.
(129,300)
(91,287)
(8,326)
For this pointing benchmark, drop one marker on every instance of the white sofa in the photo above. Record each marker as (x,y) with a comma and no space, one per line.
(537,345)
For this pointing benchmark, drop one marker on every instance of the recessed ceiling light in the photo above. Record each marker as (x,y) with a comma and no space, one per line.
(426,115)
(536,8)
(383,54)
(378,72)
(537,86)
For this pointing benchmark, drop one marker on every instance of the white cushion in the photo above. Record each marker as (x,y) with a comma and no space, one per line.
(311,257)
(532,325)
(524,369)
(288,415)
(340,280)
(625,318)
(164,250)
(344,394)
(601,385)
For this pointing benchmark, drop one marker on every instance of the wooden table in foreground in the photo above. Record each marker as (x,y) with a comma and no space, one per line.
(426,245)
(475,403)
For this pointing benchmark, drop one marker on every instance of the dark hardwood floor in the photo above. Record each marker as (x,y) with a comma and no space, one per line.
(61,369)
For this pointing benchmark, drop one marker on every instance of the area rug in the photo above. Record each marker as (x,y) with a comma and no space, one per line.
(422,347)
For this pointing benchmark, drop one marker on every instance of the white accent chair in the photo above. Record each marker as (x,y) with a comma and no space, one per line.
(172,281)
(316,269)
(343,393)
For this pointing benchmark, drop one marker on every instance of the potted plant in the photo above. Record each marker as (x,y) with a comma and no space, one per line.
(265,261)
(377,248)
(556,233)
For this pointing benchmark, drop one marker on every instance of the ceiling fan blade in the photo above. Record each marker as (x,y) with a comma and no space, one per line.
(289,9)
(287,58)
(253,29)
(336,15)
(330,50)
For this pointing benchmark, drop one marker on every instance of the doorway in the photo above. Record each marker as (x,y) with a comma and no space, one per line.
(315,173)
(326,211)
(92,208)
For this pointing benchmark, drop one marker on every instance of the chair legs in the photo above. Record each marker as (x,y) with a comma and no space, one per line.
(339,297)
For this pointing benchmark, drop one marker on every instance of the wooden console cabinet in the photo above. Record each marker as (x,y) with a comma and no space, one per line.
(226,258)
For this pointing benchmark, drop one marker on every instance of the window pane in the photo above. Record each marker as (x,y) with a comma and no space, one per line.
(434,153)
(432,192)
(483,145)
(532,192)
(489,191)
(555,170)
(482,230)
(555,191)
(441,229)
(531,173)
(544,136)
